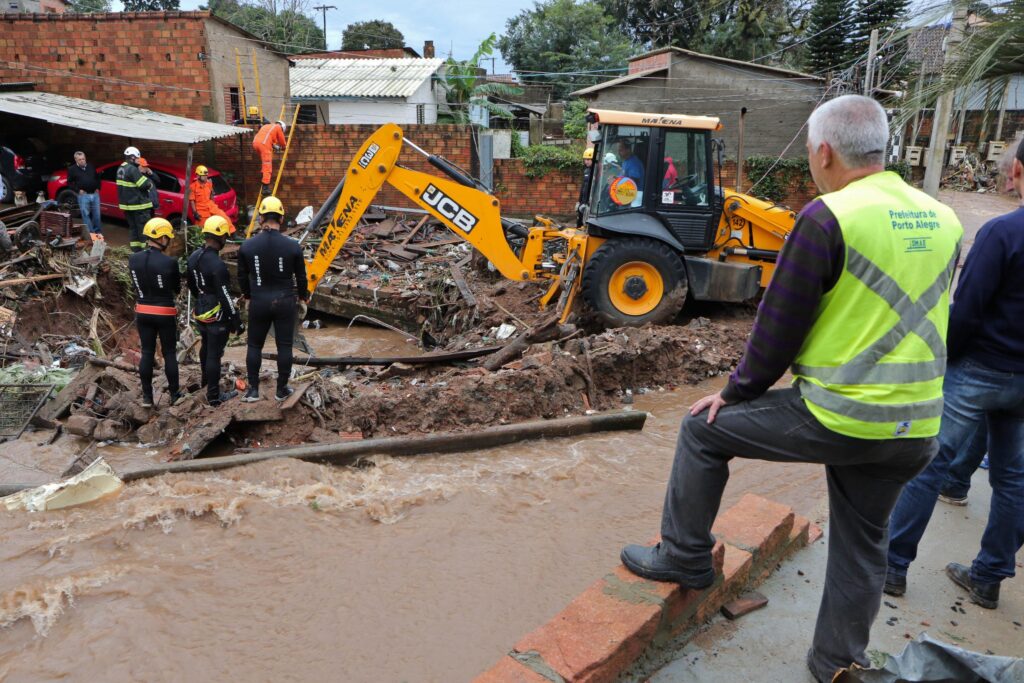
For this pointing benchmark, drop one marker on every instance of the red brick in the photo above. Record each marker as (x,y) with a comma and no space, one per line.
(508,670)
(735,574)
(757,525)
(596,637)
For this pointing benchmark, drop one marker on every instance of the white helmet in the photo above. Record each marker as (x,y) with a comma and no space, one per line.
(610,158)
(132,152)
(283,125)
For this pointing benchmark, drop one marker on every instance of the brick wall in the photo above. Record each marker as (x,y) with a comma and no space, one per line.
(554,194)
(658,61)
(102,49)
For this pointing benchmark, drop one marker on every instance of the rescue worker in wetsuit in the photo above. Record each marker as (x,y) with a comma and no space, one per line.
(215,312)
(272,277)
(157,282)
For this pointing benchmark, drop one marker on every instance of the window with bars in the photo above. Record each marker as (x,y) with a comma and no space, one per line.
(421,113)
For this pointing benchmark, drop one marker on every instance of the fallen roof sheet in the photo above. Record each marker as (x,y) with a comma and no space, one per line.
(115,119)
(315,78)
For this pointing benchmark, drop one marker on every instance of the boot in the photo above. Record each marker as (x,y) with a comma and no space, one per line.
(652,562)
(982,594)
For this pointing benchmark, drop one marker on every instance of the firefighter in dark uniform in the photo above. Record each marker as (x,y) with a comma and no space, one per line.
(272,277)
(157,282)
(133,196)
(215,312)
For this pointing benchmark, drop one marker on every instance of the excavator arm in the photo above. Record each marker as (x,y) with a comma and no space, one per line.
(471,213)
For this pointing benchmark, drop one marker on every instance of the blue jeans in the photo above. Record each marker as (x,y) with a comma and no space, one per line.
(958,481)
(973,393)
(89,205)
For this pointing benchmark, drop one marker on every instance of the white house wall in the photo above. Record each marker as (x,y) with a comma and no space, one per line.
(385,110)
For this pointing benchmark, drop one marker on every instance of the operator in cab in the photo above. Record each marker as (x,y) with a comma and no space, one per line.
(215,312)
(157,281)
(272,277)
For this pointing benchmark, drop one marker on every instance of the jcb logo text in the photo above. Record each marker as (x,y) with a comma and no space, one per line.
(449,208)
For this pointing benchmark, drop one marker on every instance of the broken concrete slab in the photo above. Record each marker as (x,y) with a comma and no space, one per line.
(81,425)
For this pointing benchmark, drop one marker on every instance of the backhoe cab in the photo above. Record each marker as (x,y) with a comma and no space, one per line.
(660,228)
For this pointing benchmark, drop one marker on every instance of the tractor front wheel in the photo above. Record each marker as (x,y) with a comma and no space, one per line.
(634,281)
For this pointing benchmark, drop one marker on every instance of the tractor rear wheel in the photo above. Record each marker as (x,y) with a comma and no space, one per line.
(634,281)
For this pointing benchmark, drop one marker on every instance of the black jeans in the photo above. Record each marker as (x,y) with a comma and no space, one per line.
(214,338)
(279,309)
(865,478)
(136,222)
(164,327)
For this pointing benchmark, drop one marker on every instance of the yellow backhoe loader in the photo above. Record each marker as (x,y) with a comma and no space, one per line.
(657,228)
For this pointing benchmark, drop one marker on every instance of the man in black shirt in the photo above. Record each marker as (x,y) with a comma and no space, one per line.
(215,312)
(85,182)
(272,277)
(157,282)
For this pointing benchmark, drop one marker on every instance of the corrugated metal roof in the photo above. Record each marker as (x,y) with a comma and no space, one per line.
(313,78)
(115,119)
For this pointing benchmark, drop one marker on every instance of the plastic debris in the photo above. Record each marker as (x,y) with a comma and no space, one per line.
(94,482)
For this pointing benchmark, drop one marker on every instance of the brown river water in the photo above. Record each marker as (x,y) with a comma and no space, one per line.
(426,568)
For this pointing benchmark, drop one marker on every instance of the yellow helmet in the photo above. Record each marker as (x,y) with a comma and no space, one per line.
(157,228)
(217,226)
(588,153)
(254,111)
(202,170)
(271,205)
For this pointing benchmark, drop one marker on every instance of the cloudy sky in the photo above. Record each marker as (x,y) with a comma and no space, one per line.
(454,27)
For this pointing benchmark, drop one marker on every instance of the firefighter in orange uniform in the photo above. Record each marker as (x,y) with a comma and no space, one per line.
(200,197)
(269,137)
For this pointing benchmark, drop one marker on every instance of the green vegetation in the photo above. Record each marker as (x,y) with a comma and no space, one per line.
(775,178)
(465,86)
(284,25)
(577,40)
(369,35)
(574,120)
(540,160)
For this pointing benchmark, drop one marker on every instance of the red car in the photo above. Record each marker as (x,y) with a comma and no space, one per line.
(170,184)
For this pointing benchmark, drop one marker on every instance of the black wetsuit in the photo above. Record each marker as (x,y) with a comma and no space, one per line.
(157,282)
(272,275)
(215,313)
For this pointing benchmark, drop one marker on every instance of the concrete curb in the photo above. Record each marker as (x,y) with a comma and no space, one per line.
(621,617)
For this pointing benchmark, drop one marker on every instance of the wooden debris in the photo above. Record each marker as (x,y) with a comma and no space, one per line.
(425,359)
(547,331)
(296,396)
(76,388)
(28,280)
(460,282)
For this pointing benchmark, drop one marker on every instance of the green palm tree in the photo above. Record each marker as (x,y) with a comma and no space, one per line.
(465,86)
(990,53)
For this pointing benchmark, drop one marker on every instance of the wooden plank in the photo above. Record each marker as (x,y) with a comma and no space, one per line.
(261,411)
(425,359)
(416,228)
(27,280)
(296,396)
(460,282)
(59,406)
(346,452)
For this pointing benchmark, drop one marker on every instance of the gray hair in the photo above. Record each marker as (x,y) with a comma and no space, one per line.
(854,126)
(79,153)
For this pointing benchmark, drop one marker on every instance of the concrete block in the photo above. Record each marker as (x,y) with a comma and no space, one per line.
(81,425)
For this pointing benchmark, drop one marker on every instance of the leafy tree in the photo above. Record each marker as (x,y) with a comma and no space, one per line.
(574,119)
(465,86)
(286,26)
(740,29)
(151,5)
(370,35)
(829,26)
(89,6)
(569,44)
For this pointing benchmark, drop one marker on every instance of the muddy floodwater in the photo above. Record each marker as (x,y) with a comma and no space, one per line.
(417,569)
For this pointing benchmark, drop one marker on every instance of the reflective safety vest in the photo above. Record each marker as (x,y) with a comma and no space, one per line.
(133,188)
(872,364)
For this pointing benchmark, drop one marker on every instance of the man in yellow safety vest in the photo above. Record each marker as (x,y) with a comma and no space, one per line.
(858,309)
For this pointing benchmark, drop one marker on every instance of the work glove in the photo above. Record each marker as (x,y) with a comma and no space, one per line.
(277,148)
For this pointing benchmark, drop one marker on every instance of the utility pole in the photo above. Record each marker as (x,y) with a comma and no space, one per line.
(944,107)
(869,72)
(323,10)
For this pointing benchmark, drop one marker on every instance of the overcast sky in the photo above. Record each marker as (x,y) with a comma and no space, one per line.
(455,27)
